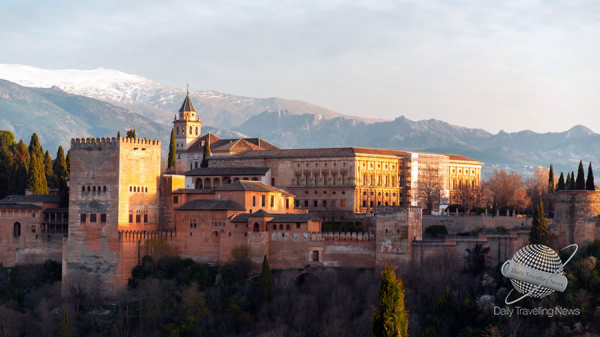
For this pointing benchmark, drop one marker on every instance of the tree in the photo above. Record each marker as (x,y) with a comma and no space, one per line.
(172,151)
(429,186)
(391,318)
(572,183)
(65,326)
(20,168)
(118,134)
(6,138)
(48,170)
(551,180)
(60,176)
(35,146)
(539,226)
(561,183)
(68,159)
(538,184)
(506,190)
(36,178)
(580,182)
(207,153)
(589,184)
(266,282)
(131,133)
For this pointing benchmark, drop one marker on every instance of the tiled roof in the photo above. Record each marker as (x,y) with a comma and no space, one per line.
(20,206)
(193,191)
(276,217)
(227,171)
(319,152)
(212,205)
(460,158)
(12,199)
(56,210)
(187,105)
(255,186)
(224,145)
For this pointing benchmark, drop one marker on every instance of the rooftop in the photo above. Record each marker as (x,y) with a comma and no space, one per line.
(227,171)
(212,205)
(33,198)
(254,186)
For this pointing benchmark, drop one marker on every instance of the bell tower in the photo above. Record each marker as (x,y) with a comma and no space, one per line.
(187,125)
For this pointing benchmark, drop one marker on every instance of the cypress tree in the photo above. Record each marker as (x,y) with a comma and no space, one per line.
(207,153)
(118,134)
(6,170)
(7,139)
(561,183)
(35,146)
(172,151)
(65,326)
(551,180)
(580,182)
(60,177)
(131,133)
(539,226)
(589,183)
(20,168)
(49,171)
(568,182)
(391,318)
(36,178)
(68,159)
(266,282)
(572,184)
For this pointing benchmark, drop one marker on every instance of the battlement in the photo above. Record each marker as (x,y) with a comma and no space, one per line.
(131,235)
(346,236)
(109,142)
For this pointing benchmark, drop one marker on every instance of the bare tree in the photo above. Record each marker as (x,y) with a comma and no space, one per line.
(506,190)
(429,186)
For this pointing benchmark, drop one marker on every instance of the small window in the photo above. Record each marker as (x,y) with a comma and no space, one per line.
(287,227)
(83,218)
(254,200)
(88,188)
(94,189)
(82,188)
(287,203)
(280,227)
(315,256)
(264,200)
(343,202)
(102,217)
(145,218)
(297,225)
(272,201)
(93,217)
(305,203)
(130,189)
(176,199)
(315,203)
(33,215)
(17,229)
(274,227)
(324,203)
(130,218)
(104,189)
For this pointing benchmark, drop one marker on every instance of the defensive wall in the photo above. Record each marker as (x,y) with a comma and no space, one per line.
(576,218)
(465,223)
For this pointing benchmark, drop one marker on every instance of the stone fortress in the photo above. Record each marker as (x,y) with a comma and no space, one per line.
(252,194)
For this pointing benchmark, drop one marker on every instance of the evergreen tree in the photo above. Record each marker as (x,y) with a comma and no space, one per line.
(60,177)
(568,182)
(118,134)
(207,153)
(561,183)
(572,184)
(20,168)
(580,182)
(131,133)
(48,170)
(589,183)
(172,151)
(35,146)
(6,170)
(7,139)
(391,318)
(539,226)
(65,326)
(551,180)
(266,282)
(68,160)
(36,178)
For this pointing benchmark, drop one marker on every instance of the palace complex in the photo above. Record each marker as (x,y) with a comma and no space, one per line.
(251,194)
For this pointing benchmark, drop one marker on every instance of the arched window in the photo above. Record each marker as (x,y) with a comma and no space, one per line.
(190,130)
(196,131)
(287,227)
(94,189)
(280,227)
(17,229)
(274,227)
(104,189)
(82,188)
(177,129)
(146,189)
(256,227)
(88,189)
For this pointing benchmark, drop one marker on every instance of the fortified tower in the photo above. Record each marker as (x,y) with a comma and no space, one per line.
(187,126)
(113,187)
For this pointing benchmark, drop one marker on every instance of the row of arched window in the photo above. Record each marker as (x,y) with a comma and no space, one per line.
(287,227)
(138,189)
(93,188)
(183,130)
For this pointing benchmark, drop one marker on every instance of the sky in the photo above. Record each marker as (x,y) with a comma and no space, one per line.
(495,65)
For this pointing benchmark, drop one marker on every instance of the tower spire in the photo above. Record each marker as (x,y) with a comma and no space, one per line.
(188,89)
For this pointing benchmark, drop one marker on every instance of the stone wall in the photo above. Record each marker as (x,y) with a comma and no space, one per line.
(576,217)
(466,223)
(396,228)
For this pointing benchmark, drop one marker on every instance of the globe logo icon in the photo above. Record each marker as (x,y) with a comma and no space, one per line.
(536,271)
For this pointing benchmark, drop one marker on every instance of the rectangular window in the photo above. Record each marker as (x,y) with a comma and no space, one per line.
(316,179)
(298,180)
(33,215)
(130,218)
(83,218)
(145,218)
(364,203)
(296,203)
(254,200)
(334,179)
(297,225)
(176,199)
(93,217)
(287,203)
(138,218)
(305,203)
(272,201)
(316,202)
(193,223)
(343,179)
(307,180)
(264,200)
(324,203)
(102,217)
(315,256)
(272,181)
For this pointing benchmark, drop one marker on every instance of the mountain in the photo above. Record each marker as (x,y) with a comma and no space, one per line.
(521,151)
(57,117)
(154,100)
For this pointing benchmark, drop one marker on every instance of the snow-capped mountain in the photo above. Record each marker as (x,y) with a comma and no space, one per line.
(157,101)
